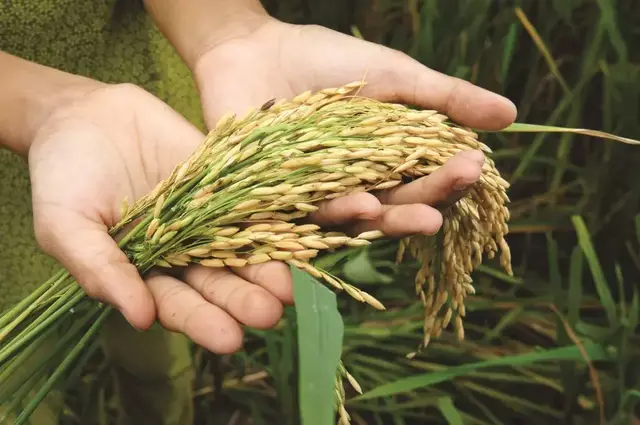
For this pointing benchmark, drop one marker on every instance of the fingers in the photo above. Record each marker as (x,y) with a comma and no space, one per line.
(396,77)
(182,309)
(402,220)
(93,258)
(408,81)
(406,209)
(443,187)
(362,212)
(208,307)
(341,210)
(465,103)
(250,304)
(273,276)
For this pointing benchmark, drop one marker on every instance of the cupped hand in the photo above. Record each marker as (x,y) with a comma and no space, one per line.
(272,59)
(117,142)
(278,60)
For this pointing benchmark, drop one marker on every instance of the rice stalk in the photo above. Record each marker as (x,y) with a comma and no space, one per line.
(244,195)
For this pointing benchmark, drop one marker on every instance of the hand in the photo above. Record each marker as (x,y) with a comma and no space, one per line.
(119,141)
(272,59)
(263,58)
(86,157)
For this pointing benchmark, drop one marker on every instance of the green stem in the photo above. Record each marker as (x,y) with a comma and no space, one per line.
(81,362)
(30,299)
(19,395)
(36,374)
(28,336)
(15,363)
(34,303)
(62,368)
(59,303)
(139,227)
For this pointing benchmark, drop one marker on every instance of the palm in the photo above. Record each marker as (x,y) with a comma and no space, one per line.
(116,143)
(108,152)
(120,142)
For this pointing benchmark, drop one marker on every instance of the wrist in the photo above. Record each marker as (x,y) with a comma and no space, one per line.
(245,48)
(196,26)
(31,92)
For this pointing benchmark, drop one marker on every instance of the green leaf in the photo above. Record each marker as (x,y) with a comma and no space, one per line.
(449,411)
(575,286)
(500,275)
(634,313)
(320,334)
(594,351)
(360,269)
(534,128)
(608,17)
(602,286)
(507,319)
(509,48)
(633,395)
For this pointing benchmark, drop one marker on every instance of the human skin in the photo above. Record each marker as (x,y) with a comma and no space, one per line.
(241,57)
(89,145)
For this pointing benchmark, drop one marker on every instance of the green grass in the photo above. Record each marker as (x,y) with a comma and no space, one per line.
(556,343)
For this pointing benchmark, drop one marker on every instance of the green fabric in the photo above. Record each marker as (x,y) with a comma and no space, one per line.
(111,41)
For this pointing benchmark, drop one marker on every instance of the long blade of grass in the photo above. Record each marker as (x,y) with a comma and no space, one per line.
(320,334)
(539,128)
(449,411)
(608,16)
(595,351)
(509,48)
(575,287)
(542,47)
(602,286)
(64,366)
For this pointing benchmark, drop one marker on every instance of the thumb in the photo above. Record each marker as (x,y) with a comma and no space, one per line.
(394,76)
(87,251)
(409,81)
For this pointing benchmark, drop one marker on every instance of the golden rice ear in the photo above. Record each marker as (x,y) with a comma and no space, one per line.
(275,165)
(245,196)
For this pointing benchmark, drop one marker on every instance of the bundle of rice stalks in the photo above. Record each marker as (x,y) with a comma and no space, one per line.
(243,196)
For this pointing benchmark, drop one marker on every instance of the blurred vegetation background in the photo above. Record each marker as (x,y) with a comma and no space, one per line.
(575,238)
